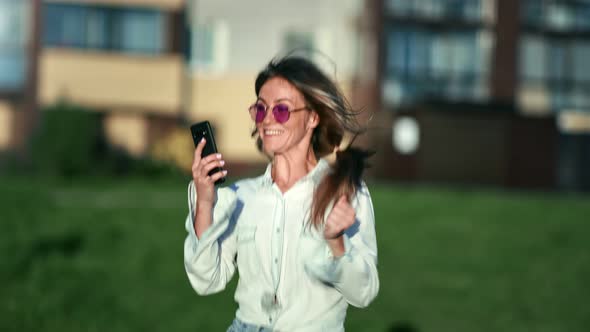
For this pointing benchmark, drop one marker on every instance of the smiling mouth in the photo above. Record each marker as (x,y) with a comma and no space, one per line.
(272,132)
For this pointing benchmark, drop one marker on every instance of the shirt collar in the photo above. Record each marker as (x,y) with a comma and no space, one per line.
(315,175)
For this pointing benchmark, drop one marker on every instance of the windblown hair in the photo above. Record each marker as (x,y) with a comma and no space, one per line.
(336,118)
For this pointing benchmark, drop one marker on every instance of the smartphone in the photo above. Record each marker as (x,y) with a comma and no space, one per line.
(203,129)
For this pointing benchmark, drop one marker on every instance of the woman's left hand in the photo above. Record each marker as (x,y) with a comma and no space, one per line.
(339,220)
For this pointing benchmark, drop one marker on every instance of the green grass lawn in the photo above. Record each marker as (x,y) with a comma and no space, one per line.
(106,255)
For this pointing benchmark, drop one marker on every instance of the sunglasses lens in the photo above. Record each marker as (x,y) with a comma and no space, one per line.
(281,113)
(260,112)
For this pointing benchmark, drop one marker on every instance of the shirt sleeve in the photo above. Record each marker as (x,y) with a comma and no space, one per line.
(210,261)
(354,274)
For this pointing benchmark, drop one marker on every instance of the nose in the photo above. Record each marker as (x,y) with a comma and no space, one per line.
(268,116)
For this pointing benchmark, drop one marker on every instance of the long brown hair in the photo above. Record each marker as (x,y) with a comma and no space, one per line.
(336,119)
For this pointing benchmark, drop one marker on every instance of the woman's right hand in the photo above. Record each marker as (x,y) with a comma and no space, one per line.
(205,184)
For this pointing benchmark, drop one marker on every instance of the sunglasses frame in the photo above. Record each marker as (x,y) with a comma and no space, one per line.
(275,112)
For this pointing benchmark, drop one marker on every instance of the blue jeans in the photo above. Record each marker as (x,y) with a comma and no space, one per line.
(239,326)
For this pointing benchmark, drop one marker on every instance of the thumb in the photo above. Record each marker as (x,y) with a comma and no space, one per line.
(199,149)
(341,200)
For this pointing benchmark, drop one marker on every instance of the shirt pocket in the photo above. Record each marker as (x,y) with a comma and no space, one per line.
(246,234)
(247,259)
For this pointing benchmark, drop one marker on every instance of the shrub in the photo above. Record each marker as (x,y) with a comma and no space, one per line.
(69,141)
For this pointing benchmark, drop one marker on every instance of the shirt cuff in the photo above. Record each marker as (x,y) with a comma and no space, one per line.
(325,266)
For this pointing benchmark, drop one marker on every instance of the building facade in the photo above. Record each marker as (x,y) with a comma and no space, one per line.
(484,92)
(460,91)
(153,67)
(121,58)
(18,69)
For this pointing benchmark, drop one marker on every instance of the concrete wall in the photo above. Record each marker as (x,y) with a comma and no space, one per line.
(6,125)
(106,80)
(256,29)
(127,131)
(224,102)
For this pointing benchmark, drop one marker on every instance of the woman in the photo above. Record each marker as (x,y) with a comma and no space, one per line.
(302,235)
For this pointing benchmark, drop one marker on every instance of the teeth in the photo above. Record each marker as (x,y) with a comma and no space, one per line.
(269,132)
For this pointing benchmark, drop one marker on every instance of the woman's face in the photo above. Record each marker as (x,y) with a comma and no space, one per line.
(292,135)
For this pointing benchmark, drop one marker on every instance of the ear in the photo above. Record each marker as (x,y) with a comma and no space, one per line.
(313,120)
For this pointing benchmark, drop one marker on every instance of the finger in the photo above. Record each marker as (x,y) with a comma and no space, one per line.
(342,200)
(338,213)
(199,149)
(342,217)
(348,209)
(344,205)
(197,168)
(218,175)
(206,168)
(210,158)
(341,208)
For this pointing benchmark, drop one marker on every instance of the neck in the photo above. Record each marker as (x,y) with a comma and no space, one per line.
(288,169)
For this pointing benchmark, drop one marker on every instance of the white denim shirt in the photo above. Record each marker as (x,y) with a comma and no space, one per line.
(288,278)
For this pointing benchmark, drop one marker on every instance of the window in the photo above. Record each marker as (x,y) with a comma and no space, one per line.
(435,50)
(14,22)
(141,31)
(209,46)
(104,28)
(300,41)
(554,49)
(203,45)
(426,64)
(556,14)
(97,29)
(533,58)
(315,43)
(65,25)
(559,67)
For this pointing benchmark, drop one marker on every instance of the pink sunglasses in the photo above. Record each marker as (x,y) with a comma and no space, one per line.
(281,112)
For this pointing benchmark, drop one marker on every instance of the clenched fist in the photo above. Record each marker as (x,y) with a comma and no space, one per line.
(340,219)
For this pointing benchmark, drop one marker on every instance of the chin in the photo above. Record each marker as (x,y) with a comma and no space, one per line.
(269,150)
(271,143)
(273,148)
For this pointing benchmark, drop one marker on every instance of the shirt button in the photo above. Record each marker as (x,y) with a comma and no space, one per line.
(276,260)
(278,230)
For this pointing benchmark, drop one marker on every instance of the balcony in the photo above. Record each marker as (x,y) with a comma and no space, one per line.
(112,81)
(164,4)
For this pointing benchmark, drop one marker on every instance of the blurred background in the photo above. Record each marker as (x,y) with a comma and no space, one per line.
(479,115)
